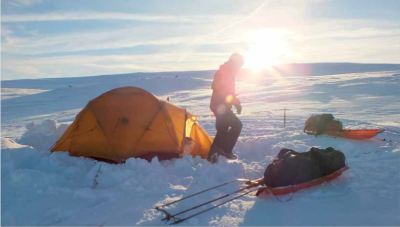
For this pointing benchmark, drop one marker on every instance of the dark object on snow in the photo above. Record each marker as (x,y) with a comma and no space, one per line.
(330,160)
(318,124)
(291,167)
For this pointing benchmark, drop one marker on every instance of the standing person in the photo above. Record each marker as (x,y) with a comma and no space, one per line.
(223,98)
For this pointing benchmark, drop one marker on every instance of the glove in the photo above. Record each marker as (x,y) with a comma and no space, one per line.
(238,105)
(239,108)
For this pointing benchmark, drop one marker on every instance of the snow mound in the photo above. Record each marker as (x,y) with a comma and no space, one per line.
(42,136)
(7,143)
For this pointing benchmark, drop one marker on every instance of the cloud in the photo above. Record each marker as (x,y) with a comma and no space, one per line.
(325,34)
(101,40)
(361,41)
(5,31)
(87,15)
(24,3)
(340,29)
(155,35)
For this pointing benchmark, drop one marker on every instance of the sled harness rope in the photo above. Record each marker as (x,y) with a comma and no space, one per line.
(252,186)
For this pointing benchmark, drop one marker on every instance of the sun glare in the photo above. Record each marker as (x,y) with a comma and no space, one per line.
(266,48)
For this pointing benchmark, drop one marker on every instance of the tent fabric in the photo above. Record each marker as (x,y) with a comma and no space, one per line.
(131,122)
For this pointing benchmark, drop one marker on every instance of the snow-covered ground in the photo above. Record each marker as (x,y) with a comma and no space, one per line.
(42,189)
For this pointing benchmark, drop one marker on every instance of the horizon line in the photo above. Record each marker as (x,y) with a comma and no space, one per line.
(148,72)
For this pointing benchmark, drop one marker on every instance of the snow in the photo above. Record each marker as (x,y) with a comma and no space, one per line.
(39,188)
(42,136)
(7,93)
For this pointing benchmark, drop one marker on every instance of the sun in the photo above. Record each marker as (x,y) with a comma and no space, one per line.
(266,48)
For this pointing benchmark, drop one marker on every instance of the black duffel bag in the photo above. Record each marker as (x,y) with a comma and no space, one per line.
(291,167)
(330,159)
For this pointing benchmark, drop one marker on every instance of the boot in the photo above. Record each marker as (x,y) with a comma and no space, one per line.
(228,155)
(214,153)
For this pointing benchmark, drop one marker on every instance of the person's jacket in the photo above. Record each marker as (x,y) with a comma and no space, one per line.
(223,86)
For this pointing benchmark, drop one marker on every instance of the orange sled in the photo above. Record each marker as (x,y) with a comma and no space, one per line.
(294,188)
(353,134)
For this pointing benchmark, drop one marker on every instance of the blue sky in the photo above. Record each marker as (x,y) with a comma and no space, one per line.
(49,38)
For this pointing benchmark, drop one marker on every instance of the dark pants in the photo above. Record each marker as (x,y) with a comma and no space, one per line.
(228,130)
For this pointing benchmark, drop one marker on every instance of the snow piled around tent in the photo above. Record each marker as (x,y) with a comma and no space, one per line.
(62,190)
(39,188)
(44,135)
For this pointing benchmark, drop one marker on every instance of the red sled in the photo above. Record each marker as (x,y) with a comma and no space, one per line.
(355,134)
(294,188)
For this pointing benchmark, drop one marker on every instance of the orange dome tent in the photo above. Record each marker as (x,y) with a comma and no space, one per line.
(130,122)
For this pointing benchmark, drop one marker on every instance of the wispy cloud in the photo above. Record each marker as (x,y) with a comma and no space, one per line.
(363,41)
(352,29)
(106,40)
(203,38)
(87,15)
(24,3)
(101,40)
(338,33)
(5,31)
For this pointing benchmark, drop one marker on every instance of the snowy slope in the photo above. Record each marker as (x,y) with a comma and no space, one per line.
(42,189)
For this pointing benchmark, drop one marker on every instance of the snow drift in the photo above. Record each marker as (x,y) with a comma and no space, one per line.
(42,136)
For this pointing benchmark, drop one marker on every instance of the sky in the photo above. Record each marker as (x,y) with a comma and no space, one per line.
(52,39)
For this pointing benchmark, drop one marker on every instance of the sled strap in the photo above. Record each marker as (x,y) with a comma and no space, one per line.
(206,190)
(213,207)
(168,217)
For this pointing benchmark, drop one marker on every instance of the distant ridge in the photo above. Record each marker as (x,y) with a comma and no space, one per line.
(319,69)
(314,69)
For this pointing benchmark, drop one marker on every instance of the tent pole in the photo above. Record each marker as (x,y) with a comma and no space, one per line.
(184,133)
